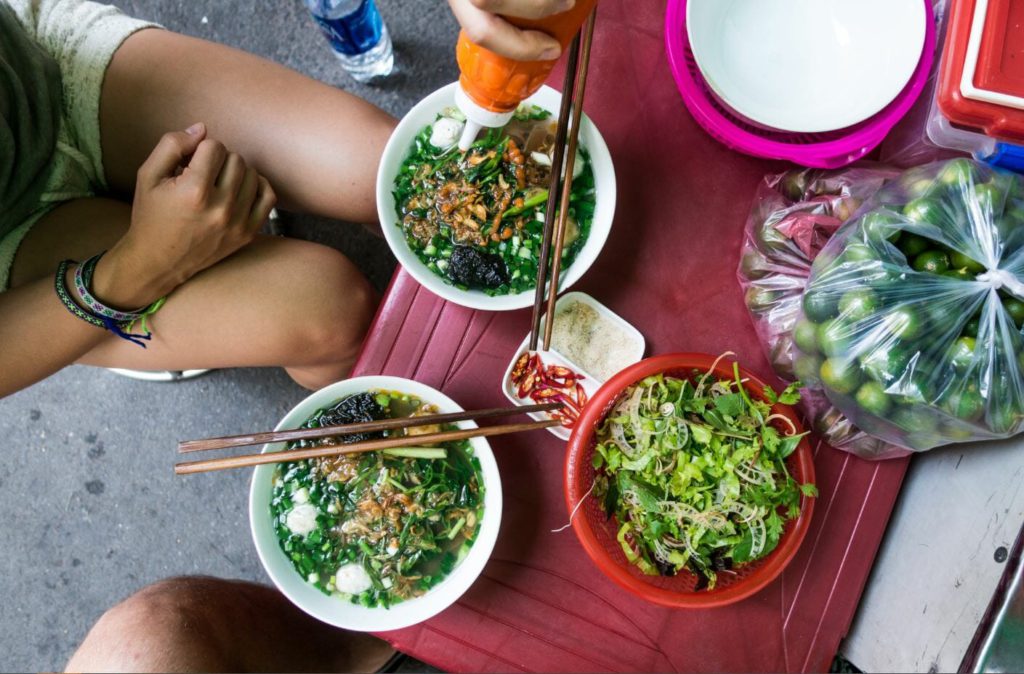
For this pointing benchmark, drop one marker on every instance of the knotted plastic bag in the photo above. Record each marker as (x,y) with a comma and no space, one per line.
(911,319)
(793,217)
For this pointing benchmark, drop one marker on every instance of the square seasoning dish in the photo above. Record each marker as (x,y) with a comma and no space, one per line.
(589,344)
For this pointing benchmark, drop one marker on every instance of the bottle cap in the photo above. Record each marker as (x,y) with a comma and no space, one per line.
(477,117)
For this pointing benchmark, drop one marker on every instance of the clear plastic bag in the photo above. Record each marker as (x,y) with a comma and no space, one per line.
(793,217)
(912,314)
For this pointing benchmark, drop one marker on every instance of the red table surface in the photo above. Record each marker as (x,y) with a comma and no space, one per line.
(669,269)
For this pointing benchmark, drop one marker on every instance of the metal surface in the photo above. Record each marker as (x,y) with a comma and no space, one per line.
(946,549)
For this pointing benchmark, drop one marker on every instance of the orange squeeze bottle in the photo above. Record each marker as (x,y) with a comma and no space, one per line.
(492,87)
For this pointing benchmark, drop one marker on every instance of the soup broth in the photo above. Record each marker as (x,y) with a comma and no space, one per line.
(476,218)
(378,528)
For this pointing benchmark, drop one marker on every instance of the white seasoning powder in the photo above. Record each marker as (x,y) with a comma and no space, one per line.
(590,340)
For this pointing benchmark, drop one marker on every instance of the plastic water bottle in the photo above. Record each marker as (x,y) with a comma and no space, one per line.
(357,35)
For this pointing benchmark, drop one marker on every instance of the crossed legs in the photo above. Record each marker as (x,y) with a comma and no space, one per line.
(278,301)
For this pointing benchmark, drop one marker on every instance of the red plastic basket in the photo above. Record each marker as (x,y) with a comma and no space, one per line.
(597,533)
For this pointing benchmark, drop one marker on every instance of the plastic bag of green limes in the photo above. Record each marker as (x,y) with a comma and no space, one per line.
(911,319)
(794,216)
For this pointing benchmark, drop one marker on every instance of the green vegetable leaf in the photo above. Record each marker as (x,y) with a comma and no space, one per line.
(789,444)
(741,552)
(730,404)
(809,489)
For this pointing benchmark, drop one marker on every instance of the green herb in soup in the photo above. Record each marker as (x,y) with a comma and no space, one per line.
(378,527)
(694,472)
(476,218)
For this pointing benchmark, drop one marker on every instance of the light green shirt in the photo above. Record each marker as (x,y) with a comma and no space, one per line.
(30,95)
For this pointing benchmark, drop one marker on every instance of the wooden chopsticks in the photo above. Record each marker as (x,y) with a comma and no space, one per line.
(246,460)
(560,189)
(207,465)
(348,429)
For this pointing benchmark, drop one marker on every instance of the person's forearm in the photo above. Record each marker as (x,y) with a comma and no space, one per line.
(38,335)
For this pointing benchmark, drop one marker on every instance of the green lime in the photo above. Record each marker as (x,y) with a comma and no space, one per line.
(885,363)
(824,260)
(961,353)
(873,399)
(858,304)
(770,238)
(957,172)
(1015,308)
(917,184)
(958,260)
(915,420)
(840,375)
(972,326)
(989,198)
(913,245)
(904,323)
(1002,418)
(859,252)
(806,368)
(820,306)
(966,404)
(931,261)
(805,334)
(845,207)
(959,274)
(794,184)
(923,210)
(754,265)
(880,226)
(760,300)
(834,337)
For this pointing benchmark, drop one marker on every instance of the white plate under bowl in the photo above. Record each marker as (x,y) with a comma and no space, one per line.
(398,148)
(342,613)
(806,65)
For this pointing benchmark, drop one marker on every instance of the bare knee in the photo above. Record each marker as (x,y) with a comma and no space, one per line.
(336,309)
(167,626)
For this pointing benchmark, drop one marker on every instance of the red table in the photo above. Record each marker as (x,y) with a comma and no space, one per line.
(668,268)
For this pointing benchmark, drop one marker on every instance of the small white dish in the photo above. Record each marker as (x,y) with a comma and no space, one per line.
(424,113)
(339,612)
(806,65)
(634,353)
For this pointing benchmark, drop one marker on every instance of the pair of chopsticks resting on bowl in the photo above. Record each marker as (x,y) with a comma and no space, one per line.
(560,190)
(208,465)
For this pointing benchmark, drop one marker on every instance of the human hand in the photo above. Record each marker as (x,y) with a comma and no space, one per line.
(482,23)
(195,204)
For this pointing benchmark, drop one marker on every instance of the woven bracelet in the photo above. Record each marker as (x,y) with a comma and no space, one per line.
(83,281)
(60,285)
(140,316)
(103,322)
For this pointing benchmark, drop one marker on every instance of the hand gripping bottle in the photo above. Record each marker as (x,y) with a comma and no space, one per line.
(492,87)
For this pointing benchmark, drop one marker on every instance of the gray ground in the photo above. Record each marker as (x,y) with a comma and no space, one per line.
(93,511)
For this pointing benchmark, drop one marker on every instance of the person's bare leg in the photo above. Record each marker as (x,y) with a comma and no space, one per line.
(259,307)
(318,146)
(212,625)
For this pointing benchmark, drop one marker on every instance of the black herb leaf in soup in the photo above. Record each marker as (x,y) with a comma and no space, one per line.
(475,268)
(358,408)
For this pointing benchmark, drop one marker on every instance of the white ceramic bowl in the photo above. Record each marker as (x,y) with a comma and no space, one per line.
(397,150)
(342,613)
(806,65)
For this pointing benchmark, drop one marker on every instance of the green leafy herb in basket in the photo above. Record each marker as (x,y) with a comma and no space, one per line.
(695,473)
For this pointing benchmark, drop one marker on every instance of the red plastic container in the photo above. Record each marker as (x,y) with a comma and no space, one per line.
(996,47)
(597,533)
